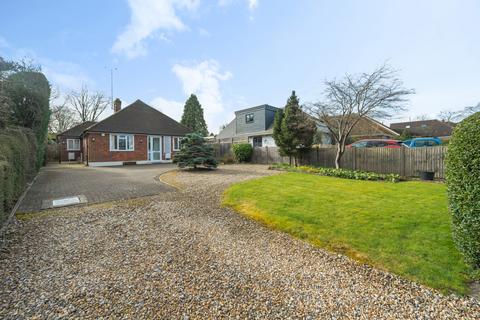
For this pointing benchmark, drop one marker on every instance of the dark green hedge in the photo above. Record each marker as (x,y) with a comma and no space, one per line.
(17,166)
(242,152)
(463,180)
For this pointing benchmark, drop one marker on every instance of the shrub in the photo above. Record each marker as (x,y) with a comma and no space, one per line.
(194,152)
(339,173)
(17,166)
(242,152)
(463,181)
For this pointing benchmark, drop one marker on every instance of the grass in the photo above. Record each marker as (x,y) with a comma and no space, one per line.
(403,228)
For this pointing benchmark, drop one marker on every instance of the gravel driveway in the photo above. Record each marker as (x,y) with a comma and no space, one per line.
(180,255)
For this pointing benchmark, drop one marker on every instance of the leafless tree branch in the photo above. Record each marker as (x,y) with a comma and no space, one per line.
(379,94)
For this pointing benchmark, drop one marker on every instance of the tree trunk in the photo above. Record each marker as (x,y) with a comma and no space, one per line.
(339,155)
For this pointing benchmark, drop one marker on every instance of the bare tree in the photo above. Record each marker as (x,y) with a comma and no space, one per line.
(62,118)
(467,111)
(449,115)
(88,105)
(347,101)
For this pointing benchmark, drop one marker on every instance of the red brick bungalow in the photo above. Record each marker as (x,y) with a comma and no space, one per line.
(137,134)
(70,147)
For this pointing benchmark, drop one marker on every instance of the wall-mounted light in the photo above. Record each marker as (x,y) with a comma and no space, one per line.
(93,139)
(103,134)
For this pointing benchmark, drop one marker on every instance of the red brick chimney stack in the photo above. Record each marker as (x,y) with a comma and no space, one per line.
(117,105)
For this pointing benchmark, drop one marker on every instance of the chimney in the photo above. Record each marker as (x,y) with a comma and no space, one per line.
(117,105)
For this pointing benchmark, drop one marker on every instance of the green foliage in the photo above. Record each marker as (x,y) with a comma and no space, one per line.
(401,227)
(29,94)
(406,135)
(17,166)
(242,152)
(193,116)
(463,180)
(194,152)
(339,173)
(293,129)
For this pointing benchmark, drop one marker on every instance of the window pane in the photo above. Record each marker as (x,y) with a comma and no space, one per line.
(121,143)
(129,142)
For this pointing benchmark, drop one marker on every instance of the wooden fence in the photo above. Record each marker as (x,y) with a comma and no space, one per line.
(403,161)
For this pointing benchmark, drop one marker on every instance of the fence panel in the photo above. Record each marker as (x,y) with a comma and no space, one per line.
(403,161)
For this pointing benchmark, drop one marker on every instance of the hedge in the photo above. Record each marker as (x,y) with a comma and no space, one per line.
(242,152)
(18,150)
(463,181)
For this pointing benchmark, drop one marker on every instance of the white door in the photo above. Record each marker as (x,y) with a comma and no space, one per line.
(154,148)
(168,147)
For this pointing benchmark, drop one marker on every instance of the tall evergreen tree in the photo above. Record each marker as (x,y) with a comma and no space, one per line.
(193,116)
(293,129)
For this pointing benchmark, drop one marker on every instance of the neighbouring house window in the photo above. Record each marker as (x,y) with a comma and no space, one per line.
(249,118)
(73,144)
(121,142)
(176,143)
(257,141)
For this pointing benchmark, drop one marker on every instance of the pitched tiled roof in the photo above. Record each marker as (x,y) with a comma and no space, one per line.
(425,128)
(139,117)
(77,130)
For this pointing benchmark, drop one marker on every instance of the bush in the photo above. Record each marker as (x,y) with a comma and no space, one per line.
(242,152)
(339,173)
(463,181)
(194,152)
(17,166)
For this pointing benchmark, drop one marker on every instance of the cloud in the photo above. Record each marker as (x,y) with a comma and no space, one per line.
(202,79)
(173,109)
(252,4)
(147,17)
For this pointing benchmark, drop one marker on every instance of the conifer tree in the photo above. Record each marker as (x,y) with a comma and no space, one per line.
(193,116)
(293,129)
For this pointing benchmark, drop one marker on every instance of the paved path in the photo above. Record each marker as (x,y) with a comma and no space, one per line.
(180,255)
(98,184)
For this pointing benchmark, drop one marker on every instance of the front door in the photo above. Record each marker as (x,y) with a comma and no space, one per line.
(154,148)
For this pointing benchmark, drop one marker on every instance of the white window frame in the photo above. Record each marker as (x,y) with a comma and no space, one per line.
(176,140)
(73,144)
(118,137)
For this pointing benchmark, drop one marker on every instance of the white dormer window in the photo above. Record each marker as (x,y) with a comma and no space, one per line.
(249,118)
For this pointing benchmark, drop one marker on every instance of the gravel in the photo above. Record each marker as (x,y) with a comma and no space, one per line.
(181,255)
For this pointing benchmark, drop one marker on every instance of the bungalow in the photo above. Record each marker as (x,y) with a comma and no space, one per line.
(425,128)
(137,134)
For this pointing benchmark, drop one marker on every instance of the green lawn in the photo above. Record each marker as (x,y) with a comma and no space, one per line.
(401,227)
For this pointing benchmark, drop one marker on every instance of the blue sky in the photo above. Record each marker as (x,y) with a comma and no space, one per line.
(239,53)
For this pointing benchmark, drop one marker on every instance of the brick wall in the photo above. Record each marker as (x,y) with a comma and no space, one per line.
(63,152)
(98,148)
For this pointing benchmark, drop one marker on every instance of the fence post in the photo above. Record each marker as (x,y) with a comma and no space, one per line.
(266,147)
(402,162)
(354,159)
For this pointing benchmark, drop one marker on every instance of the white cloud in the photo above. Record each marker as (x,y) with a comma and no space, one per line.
(67,76)
(203,80)
(171,108)
(147,17)
(252,4)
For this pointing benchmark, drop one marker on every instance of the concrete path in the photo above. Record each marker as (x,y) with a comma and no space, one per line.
(97,184)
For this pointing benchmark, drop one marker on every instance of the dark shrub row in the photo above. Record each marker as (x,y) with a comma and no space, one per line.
(17,166)
(463,180)
(339,173)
